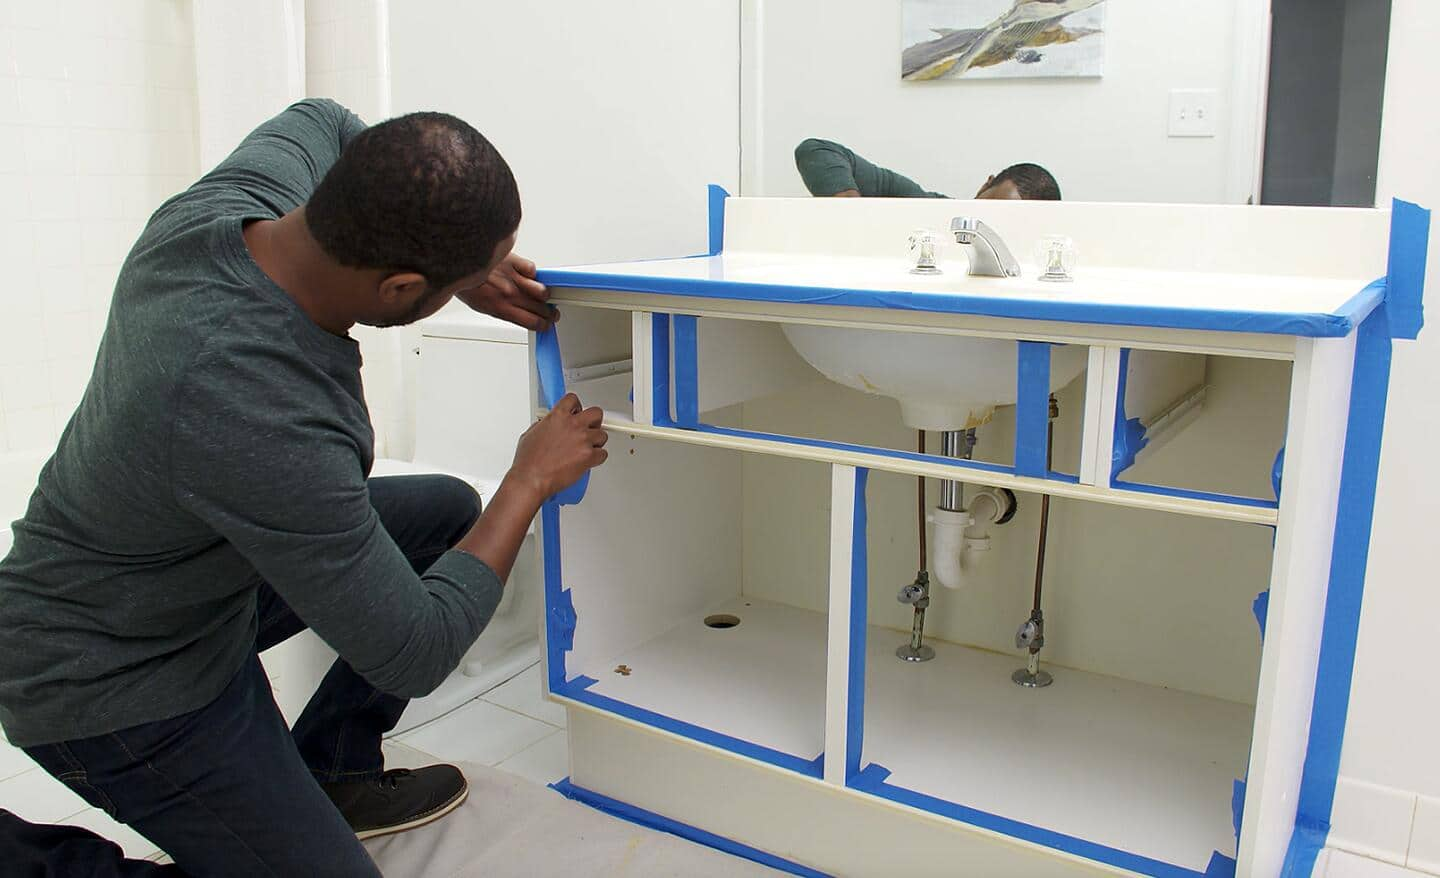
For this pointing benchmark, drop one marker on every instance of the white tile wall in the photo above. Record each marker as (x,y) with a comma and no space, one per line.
(346,58)
(1376,829)
(97,127)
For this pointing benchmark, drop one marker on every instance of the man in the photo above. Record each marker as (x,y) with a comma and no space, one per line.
(830,169)
(209,499)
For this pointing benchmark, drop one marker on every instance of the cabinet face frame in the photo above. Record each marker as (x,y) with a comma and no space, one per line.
(1300,627)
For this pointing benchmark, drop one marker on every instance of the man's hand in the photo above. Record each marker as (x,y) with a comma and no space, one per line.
(512,294)
(555,452)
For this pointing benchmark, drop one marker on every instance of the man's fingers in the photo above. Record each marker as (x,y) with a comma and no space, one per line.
(598,456)
(597,438)
(569,404)
(521,317)
(593,417)
(530,287)
(522,265)
(503,285)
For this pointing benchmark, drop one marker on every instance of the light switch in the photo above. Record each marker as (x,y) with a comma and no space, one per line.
(1193,112)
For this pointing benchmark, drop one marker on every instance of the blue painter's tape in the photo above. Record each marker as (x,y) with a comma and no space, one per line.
(650,819)
(859,589)
(559,630)
(552,387)
(1163,490)
(1349,556)
(660,369)
(1129,434)
(1277,472)
(1032,411)
(874,780)
(687,370)
(1220,866)
(1237,805)
(1405,278)
(804,765)
(1336,325)
(1261,609)
(716,208)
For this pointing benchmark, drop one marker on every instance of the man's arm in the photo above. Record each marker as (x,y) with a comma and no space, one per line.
(828,168)
(260,458)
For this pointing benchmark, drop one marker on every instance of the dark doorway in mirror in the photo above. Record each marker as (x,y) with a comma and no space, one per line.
(1327,84)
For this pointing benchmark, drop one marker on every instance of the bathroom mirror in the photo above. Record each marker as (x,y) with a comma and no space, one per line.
(1214,101)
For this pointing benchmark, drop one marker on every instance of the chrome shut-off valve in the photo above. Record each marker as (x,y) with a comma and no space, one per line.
(916,593)
(1031,634)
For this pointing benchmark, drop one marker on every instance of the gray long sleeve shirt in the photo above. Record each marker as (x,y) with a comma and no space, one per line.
(223,441)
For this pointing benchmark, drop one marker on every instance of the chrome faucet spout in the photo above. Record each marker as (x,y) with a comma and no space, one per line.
(989,257)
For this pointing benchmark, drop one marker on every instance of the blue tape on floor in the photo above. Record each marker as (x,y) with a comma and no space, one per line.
(660,370)
(873,780)
(552,387)
(1350,553)
(687,370)
(715,204)
(655,821)
(859,589)
(1405,277)
(1032,408)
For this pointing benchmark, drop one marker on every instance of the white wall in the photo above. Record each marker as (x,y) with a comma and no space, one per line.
(613,117)
(1390,765)
(97,127)
(831,69)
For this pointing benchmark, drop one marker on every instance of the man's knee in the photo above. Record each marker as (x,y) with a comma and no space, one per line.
(457,502)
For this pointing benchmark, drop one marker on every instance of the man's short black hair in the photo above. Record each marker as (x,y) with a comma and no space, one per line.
(424,192)
(1032,181)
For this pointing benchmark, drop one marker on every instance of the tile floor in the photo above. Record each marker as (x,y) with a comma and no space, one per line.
(510,727)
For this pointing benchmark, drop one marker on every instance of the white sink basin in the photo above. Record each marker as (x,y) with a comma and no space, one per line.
(943,382)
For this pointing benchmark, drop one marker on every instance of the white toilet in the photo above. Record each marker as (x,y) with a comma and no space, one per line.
(471,405)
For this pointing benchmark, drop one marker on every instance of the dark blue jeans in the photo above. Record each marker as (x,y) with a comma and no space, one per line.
(228,789)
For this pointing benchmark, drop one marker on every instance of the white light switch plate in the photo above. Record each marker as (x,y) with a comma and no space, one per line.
(1193,112)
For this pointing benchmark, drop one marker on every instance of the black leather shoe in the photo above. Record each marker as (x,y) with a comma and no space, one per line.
(397,800)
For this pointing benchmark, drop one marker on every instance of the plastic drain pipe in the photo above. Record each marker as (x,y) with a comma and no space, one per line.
(957,529)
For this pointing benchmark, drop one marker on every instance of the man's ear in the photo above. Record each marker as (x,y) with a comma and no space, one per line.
(402,287)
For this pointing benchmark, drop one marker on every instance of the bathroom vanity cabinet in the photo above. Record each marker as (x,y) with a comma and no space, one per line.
(720,607)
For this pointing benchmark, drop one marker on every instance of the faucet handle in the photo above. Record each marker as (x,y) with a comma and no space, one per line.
(924,241)
(921,237)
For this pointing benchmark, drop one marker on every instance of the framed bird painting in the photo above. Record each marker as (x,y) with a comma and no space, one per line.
(992,39)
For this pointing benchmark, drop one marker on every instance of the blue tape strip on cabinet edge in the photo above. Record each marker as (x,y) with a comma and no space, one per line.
(715,204)
(687,370)
(1405,276)
(559,628)
(660,370)
(1312,325)
(873,780)
(1129,434)
(1350,554)
(859,589)
(552,387)
(579,689)
(651,820)
(1032,408)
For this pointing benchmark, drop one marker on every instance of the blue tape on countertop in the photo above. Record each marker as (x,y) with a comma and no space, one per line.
(1405,278)
(1336,325)
(859,602)
(873,780)
(651,820)
(715,205)
(552,387)
(1339,631)
(1032,408)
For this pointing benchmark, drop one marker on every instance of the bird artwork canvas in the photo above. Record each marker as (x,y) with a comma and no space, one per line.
(995,39)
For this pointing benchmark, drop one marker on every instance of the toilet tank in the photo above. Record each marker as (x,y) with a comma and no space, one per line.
(473,393)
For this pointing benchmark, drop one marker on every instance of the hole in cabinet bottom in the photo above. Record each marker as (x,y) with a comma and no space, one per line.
(722,620)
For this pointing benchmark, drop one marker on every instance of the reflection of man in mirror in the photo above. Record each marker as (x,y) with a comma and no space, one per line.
(829,168)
